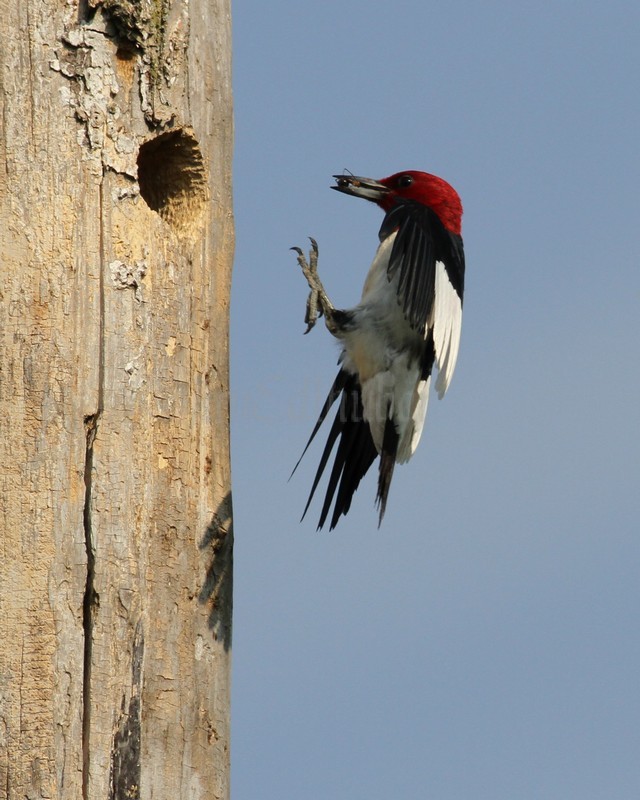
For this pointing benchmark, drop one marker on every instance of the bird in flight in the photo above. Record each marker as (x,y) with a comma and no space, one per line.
(408,320)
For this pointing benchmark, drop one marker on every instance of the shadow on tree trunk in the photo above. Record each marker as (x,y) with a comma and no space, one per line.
(216,592)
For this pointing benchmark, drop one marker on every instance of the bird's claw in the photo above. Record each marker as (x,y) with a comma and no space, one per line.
(318,303)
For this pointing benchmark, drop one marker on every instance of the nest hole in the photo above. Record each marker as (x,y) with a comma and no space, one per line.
(172,178)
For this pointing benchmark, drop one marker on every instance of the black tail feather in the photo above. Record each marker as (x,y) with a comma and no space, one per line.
(358,455)
(334,393)
(387,463)
(356,450)
(331,440)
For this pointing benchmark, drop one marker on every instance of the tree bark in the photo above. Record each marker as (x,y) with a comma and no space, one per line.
(117,240)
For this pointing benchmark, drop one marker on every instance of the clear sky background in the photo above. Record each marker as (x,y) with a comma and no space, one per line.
(484,644)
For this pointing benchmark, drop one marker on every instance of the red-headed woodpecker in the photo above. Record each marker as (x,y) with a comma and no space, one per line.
(409,317)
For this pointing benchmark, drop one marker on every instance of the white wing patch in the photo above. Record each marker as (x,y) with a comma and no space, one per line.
(447,324)
(420,401)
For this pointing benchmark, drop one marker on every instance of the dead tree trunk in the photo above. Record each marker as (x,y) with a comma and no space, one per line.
(117,237)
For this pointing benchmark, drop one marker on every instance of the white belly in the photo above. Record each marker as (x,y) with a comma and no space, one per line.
(385,353)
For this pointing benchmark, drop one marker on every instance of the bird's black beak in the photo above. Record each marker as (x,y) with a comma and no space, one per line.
(360,187)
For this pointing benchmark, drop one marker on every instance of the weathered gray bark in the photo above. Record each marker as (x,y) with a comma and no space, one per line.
(117,237)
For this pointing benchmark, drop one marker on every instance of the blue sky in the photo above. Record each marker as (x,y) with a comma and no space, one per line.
(484,643)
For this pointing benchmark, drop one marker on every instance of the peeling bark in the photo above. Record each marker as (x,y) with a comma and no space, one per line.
(116,238)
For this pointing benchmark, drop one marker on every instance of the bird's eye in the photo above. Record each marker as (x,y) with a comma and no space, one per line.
(404,181)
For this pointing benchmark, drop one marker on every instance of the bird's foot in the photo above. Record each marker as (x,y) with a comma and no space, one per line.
(318,304)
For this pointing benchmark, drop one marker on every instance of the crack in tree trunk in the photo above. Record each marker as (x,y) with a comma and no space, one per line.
(90,601)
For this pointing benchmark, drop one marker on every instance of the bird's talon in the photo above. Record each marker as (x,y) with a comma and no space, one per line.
(318,304)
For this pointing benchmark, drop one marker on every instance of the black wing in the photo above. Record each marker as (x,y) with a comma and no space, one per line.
(421,241)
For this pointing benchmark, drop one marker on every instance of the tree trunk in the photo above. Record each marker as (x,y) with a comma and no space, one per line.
(117,238)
